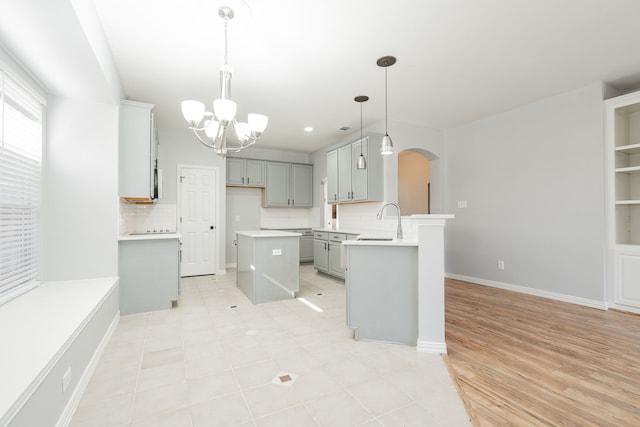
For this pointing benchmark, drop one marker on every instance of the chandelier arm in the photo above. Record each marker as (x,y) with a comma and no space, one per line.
(205,143)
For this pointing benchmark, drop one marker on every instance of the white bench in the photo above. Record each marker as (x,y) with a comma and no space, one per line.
(53,331)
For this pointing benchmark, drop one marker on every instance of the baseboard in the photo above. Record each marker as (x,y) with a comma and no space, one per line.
(601,305)
(83,382)
(431,347)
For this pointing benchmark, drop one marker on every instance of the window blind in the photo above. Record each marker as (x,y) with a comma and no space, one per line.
(20,184)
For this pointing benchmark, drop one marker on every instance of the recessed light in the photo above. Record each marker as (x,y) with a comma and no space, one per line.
(308,129)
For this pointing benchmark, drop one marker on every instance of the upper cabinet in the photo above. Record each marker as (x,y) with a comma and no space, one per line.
(345,182)
(138,141)
(622,127)
(289,185)
(246,172)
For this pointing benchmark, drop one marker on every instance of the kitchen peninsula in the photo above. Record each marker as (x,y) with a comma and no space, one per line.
(395,288)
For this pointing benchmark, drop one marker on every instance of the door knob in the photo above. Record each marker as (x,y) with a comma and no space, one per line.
(211,227)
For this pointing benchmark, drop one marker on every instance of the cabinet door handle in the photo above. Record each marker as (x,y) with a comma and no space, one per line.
(288,202)
(243,179)
(293,202)
(248,180)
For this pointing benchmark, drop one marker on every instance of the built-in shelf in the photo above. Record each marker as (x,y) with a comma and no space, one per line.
(628,149)
(629,169)
(627,202)
(623,210)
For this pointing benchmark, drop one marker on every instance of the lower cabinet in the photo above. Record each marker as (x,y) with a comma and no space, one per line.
(149,274)
(306,243)
(320,253)
(306,246)
(327,252)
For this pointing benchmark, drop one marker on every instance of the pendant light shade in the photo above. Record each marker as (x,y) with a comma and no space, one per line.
(387,145)
(362,162)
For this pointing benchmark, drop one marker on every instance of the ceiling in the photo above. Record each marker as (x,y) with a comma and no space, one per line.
(302,62)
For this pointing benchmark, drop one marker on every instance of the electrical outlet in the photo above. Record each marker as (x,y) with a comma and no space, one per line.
(277,251)
(66,379)
(462,204)
(500,265)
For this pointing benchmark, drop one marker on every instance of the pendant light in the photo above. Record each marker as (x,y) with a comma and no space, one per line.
(387,145)
(362,162)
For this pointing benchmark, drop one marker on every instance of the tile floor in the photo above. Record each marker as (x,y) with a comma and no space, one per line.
(219,360)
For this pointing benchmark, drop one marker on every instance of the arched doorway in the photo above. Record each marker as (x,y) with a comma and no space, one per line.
(414,181)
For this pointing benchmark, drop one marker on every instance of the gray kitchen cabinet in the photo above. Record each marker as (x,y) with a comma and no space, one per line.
(327,252)
(306,243)
(344,174)
(149,273)
(320,251)
(137,154)
(289,185)
(360,177)
(245,172)
(332,176)
(335,267)
(277,192)
(345,182)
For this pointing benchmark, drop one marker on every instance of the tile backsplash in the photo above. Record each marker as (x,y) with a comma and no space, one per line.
(159,218)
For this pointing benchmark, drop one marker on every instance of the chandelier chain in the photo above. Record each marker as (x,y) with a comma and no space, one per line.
(226,43)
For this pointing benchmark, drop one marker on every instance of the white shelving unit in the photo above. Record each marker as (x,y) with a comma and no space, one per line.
(622,126)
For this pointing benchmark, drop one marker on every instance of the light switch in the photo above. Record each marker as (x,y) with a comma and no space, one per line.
(462,204)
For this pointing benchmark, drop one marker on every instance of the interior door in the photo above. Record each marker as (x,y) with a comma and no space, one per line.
(198,224)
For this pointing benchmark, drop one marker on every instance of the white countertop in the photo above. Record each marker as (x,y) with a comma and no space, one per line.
(394,242)
(149,236)
(342,230)
(268,233)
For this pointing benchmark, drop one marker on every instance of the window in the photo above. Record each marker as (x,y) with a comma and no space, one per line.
(20,182)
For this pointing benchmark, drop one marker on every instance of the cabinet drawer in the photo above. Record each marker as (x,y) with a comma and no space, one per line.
(306,232)
(352,236)
(321,235)
(337,237)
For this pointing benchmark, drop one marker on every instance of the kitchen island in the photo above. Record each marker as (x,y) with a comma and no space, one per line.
(268,264)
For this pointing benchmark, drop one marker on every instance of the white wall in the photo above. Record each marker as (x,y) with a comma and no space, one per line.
(533,178)
(80,190)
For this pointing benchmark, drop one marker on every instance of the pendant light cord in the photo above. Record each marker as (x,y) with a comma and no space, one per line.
(361,128)
(386,119)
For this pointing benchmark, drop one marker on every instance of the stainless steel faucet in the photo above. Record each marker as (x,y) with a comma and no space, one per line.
(399,233)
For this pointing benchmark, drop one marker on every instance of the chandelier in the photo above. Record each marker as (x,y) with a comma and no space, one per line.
(212,128)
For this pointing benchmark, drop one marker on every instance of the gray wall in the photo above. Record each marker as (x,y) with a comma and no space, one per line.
(180,147)
(533,178)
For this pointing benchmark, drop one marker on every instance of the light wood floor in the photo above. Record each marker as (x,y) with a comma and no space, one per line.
(521,360)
